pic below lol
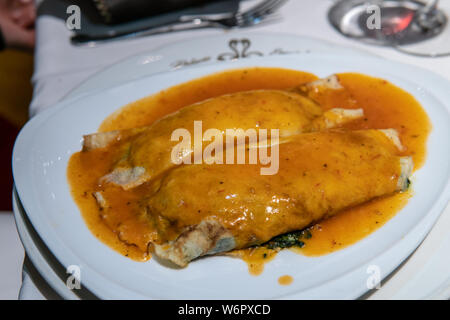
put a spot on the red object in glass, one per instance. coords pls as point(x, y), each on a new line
point(397, 24)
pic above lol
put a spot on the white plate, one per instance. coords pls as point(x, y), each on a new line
point(205, 51)
point(164, 59)
point(47, 141)
point(42, 259)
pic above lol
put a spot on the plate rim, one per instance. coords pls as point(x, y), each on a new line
point(345, 49)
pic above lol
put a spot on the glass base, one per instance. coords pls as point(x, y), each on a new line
point(391, 23)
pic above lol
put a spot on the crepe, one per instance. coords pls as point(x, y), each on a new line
point(198, 210)
point(146, 153)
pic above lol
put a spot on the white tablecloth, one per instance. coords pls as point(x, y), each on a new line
point(60, 67)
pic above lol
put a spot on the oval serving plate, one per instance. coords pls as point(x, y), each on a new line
point(46, 143)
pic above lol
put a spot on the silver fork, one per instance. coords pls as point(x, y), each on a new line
point(250, 17)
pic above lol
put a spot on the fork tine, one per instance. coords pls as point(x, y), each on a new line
point(269, 9)
point(263, 10)
point(258, 13)
point(265, 19)
point(277, 5)
point(257, 8)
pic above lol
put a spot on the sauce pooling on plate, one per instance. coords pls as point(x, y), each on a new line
point(285, 280)
point(385, 106)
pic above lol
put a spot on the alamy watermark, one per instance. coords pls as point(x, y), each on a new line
point(254, 143)
point(374, 279)
point(74, 279)
point(374, 20)
point(73, 21)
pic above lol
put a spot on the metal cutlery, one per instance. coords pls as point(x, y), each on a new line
point(250, 17)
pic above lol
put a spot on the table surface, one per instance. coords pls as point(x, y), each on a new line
point(60, 67)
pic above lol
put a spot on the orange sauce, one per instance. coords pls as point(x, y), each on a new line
point(83, 173)
point(147, 110)
point(255, 258)
point(385, 106)
point(352, 225)
point(285, 280)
